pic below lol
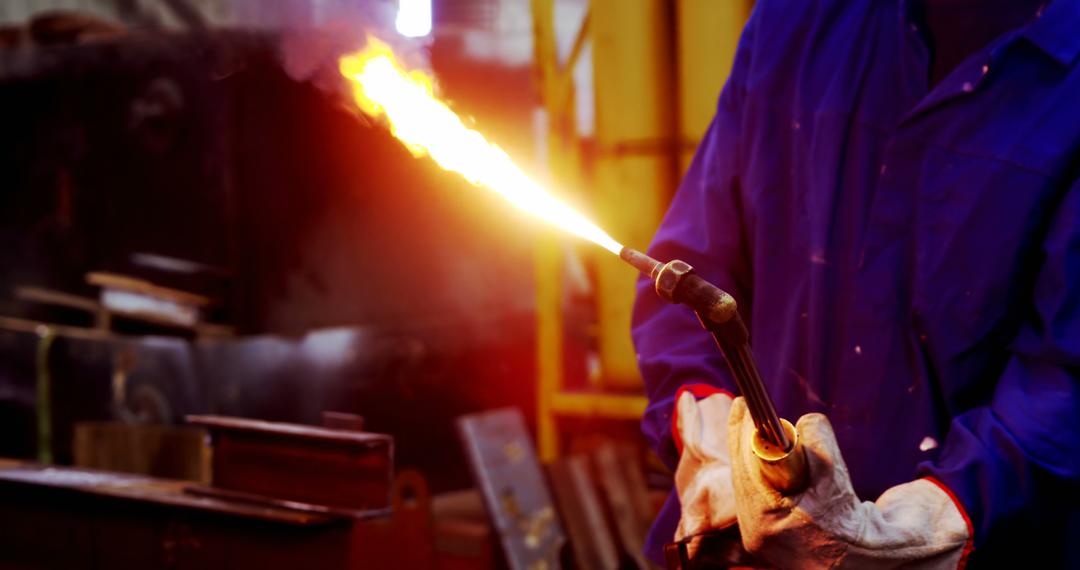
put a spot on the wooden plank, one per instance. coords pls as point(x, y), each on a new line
point(70, 518)
point(58, 298)
point(147, 449)
point(615, 466)
point(15, 324)
point(464, 539)
point(342, 420)
point(223, 424)
point(579, 502)
point(135, 285)
point(163, 492)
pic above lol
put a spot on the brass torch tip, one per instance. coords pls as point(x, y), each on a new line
point(640, 261)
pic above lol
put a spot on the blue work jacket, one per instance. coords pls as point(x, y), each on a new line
point(907, 259)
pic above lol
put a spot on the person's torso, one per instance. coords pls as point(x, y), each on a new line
point(894, 232)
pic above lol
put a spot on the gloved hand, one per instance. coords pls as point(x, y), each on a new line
point(914, 525)
point(703, 476)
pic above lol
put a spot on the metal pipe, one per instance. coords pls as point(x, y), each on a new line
point(676, 282)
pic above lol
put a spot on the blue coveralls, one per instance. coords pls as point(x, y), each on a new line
point(907, 259)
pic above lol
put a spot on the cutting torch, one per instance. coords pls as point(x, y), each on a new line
point(776, 441)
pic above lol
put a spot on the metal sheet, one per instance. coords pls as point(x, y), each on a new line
point(515, 493)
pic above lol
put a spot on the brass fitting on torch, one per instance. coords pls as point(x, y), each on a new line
point(676, 283)
point(787, 470)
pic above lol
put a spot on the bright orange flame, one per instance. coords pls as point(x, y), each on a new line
point(384, 89)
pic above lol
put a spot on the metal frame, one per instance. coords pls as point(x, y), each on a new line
point(646, 131)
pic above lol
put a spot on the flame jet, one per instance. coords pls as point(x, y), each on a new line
point(426, 126)
point(406, 100)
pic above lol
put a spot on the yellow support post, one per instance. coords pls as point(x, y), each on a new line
point(634, 70)
point(708, 33)
point(549, 338)
point(558, 100)
point(646, 132)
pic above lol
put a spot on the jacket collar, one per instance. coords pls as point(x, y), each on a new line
point(1056, 31)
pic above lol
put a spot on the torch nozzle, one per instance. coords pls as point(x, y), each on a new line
point(640, 261)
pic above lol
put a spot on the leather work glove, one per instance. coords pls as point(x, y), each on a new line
point(703, 475)
point(914, 525)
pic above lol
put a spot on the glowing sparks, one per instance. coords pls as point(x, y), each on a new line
point(426, 126)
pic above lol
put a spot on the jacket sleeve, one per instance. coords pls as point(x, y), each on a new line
point(703, 227)
point(1019, 456)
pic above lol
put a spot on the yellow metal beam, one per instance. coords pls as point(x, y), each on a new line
point(549, 339)
point(708, 32)
point(634, 70)
point(612, 406)
point(557, 96)
point(564, 91)
point(645, 132)
point(544, 49)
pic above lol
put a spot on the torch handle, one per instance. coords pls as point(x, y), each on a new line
point(733, 340)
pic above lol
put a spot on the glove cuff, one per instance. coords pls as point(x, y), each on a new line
point(969, 546)
point(700, 392)
point(920, 520)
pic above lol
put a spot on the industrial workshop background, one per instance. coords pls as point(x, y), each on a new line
point(198, 229)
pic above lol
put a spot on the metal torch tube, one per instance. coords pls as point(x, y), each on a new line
point(744, 369)
point(746, 388)
point(770, 424)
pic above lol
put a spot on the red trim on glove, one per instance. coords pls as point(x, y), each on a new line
point(700, 392)
point(970, 544)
